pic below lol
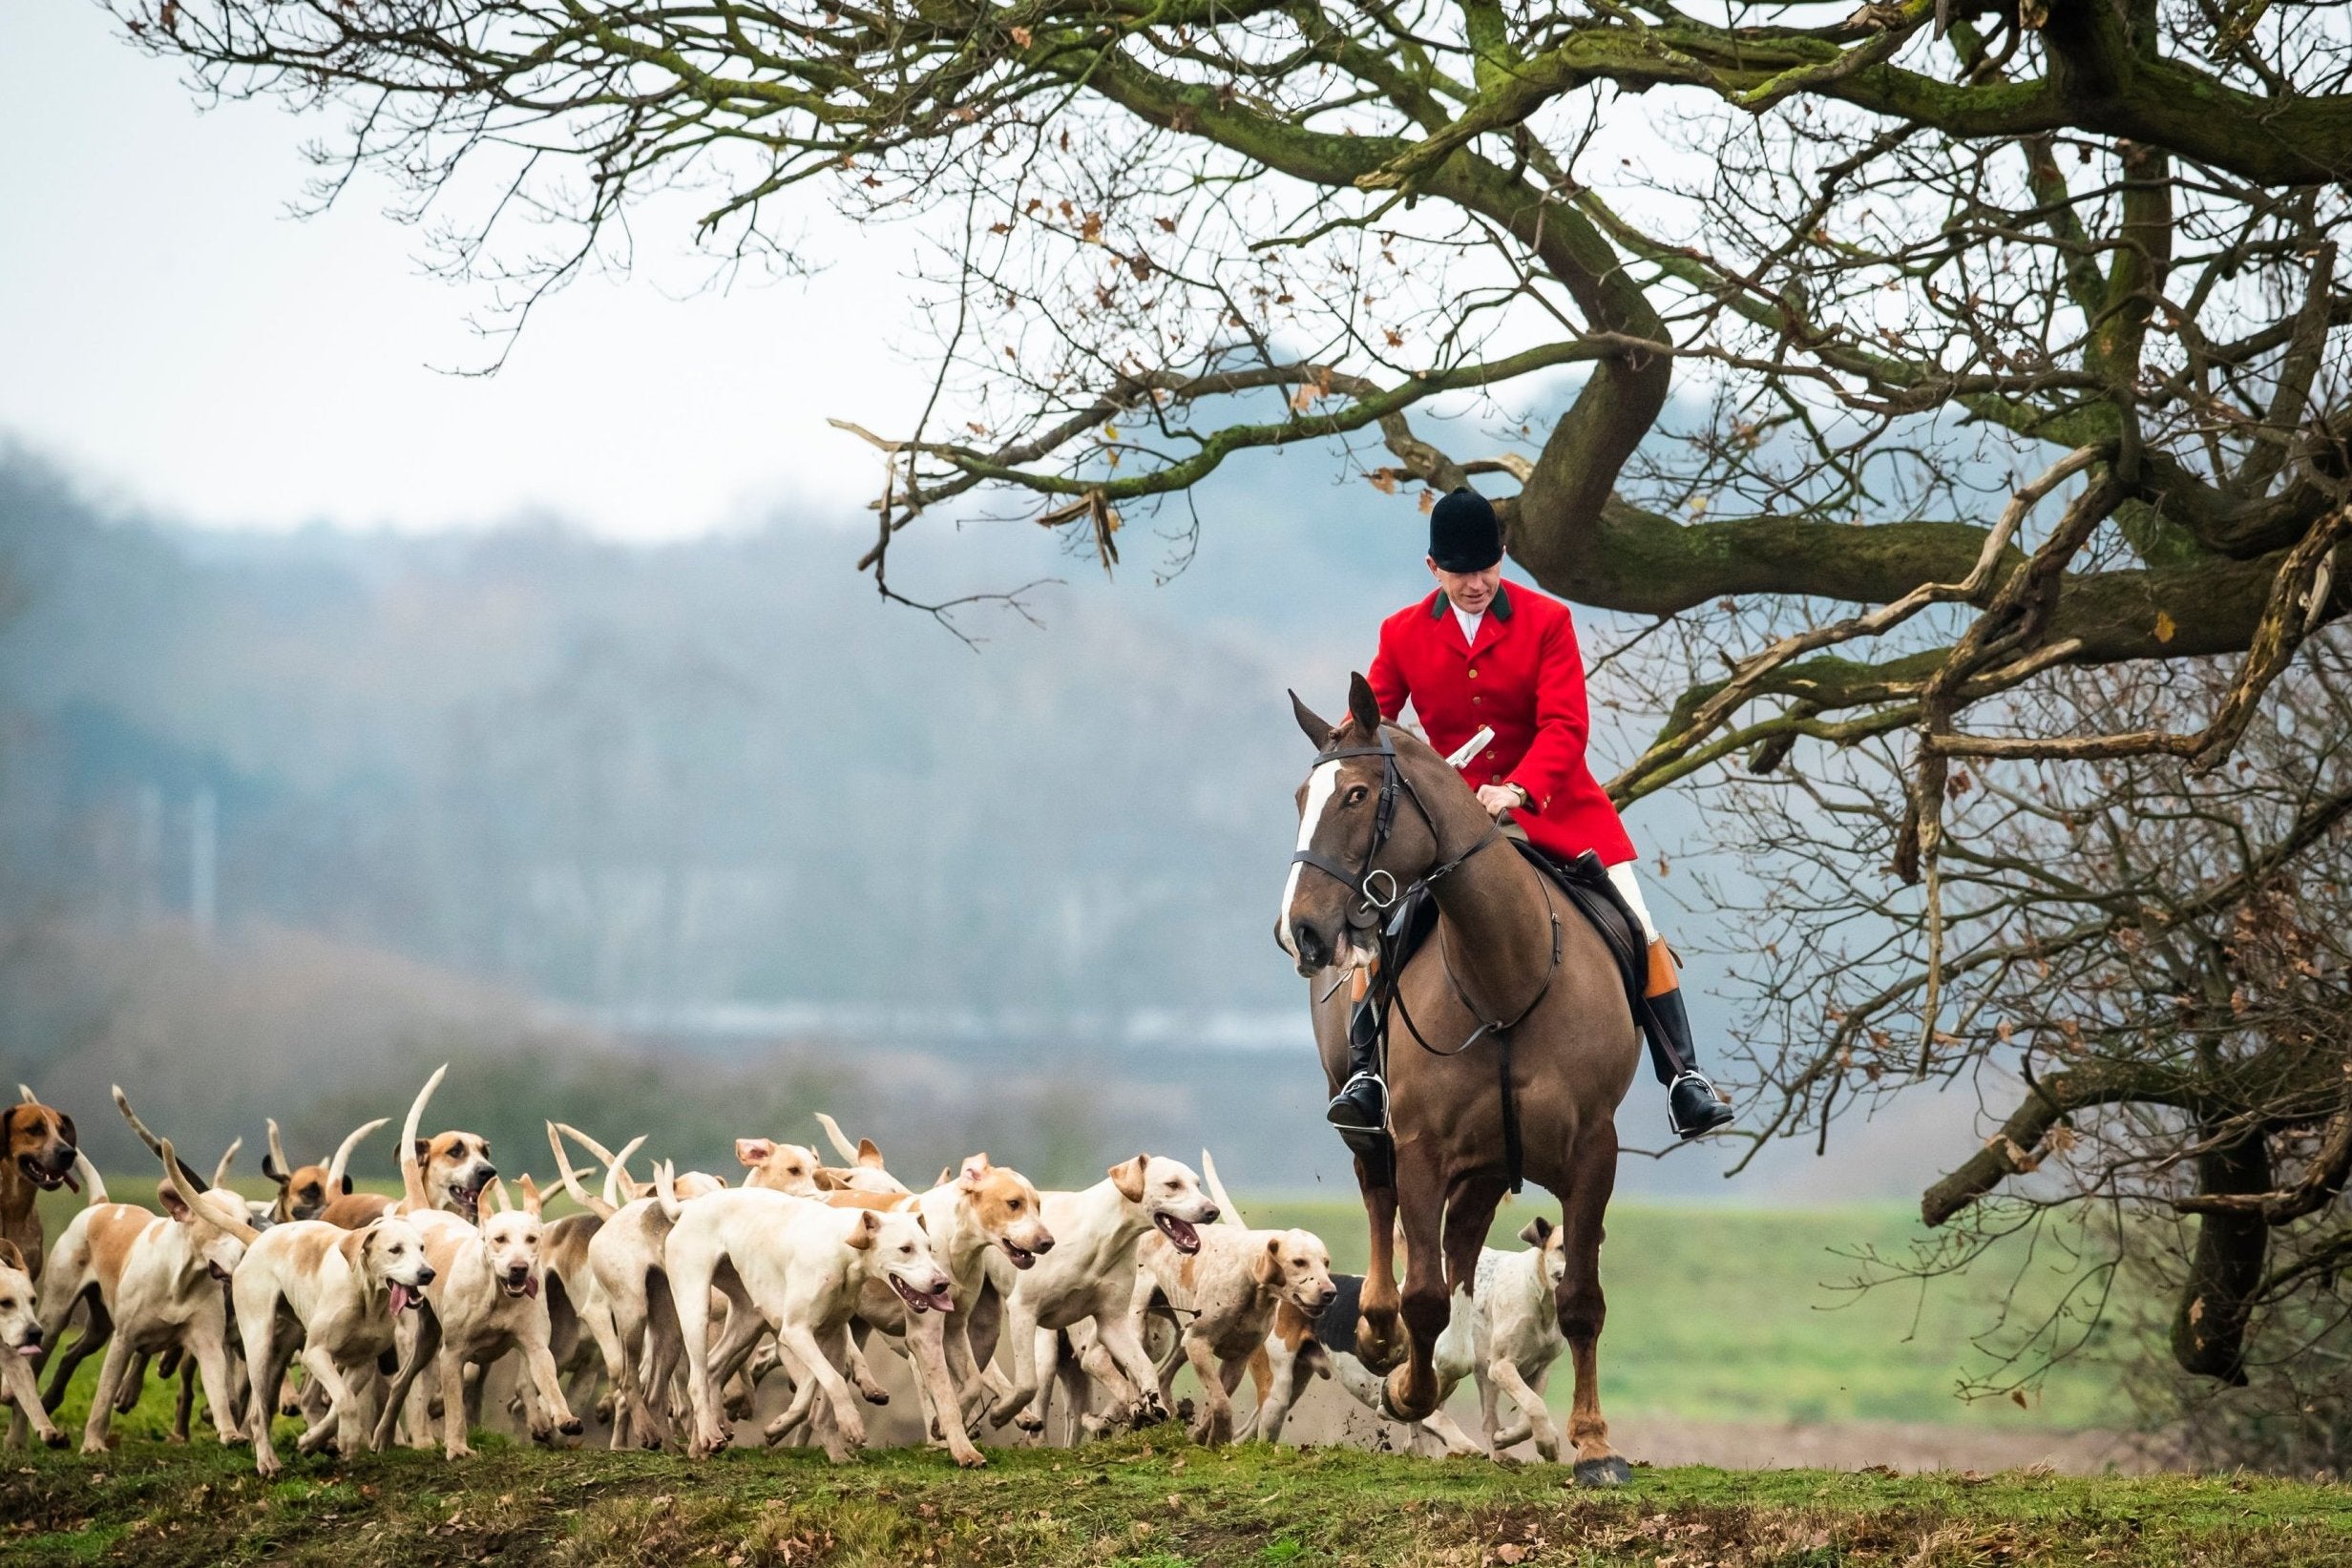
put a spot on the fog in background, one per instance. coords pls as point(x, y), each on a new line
point(641, 809)
point(702, 837)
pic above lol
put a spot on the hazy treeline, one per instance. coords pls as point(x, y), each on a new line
point(644, 776)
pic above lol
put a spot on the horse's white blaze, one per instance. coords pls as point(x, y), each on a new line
point(1321, 784)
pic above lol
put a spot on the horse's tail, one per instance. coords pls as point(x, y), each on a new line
point(1228, 1213)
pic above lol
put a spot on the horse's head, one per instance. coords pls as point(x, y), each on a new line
point(1362, 839)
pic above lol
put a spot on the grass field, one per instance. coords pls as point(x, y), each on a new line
point(1740, 1316)
point(1146, 1501)
point(1714, 1313)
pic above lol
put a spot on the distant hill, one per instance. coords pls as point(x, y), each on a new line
point(711, 798)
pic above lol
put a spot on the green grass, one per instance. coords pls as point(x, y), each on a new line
point(1740, 1316)
point(1150, 1499)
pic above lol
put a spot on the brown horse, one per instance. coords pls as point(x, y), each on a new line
point(1512, 944)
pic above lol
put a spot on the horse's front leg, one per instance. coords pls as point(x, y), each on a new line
point(1379, 1342)
point(1583, 1310)
point(1411, 1391)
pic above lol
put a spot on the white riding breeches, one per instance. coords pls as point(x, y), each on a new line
point(1629, 889)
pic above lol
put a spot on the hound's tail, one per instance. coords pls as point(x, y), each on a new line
point(337, 1167)
point(839, 1140)
point(569, 1179)
point(665, 1191)
point(1229, 1212)
point(413, 1198)
point(92, 1184)
point(189, 1175)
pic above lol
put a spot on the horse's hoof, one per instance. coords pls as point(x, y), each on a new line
point(1379, 1348)
point(1402, 1407)
point(1610, 1471)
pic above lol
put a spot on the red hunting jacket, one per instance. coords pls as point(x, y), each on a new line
point(1525, 680)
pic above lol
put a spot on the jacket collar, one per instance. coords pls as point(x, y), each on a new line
point(1501, 609)
point(1491, 626)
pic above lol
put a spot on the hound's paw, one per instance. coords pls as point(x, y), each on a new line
point(1030, 1422)
point(94, 1448)
point(53, 1438)
point(876, 1395)
point(458, 1451)
point(571, 1426)
point(971, 1458)
point(269, 1465)
point(604, 1409)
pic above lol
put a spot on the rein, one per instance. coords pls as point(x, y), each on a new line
point(1372, 900)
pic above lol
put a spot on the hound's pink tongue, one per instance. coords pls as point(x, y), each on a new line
point(27, 1352)
point(73, 1181)
point(1180, 1232)
point(400, 1299)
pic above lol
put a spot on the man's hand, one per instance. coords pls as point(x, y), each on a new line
point(1501, 798)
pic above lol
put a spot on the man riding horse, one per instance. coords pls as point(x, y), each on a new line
point(1480, 654)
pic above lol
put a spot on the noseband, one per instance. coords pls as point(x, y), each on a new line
point(1376, 887)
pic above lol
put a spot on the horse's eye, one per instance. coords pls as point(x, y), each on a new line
point(1356, 795)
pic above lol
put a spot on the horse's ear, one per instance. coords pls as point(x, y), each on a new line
point(1363, 708)
point(1317, 730)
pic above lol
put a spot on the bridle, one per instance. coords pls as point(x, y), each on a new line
point(1376, 887)
point(1377, 891)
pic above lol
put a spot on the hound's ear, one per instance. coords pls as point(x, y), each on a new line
point(868, 1154)
point(347, 1187)
point(1537, 1231)
point(10, 1257)
point(975, 1172)
point(1128, 1178)
point(754, 1152)
point(496, 1193)
point(1363, 708)
point(1319, 732)
point(65, 1127)
point(533, 1199)
point(424, 1150)
point(828, 1182)
point(8, 1121)
point(269, 1168)
point(868, 1226)
point(1267, 1266)
point(173, 1203)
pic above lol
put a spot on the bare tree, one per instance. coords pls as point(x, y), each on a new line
point(2150, 967)
point(2004, 473)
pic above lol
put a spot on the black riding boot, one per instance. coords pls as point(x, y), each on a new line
point(1360, 1108)
point(1693, 1106)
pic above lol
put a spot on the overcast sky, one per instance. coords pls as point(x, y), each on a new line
point(180, 342)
